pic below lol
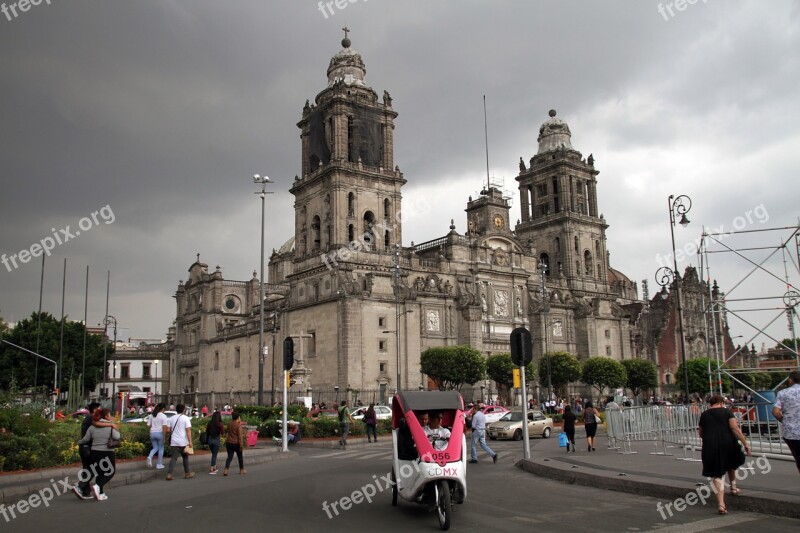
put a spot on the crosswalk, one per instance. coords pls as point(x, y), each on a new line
point(352, 453)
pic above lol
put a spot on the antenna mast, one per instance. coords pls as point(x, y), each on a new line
point(486, 139)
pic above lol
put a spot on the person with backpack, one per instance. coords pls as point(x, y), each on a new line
point(345, 419)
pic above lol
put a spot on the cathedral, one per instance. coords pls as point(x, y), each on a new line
point(361, 306)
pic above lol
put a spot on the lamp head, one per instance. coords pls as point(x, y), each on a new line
point(664, 294)
point(684, 221)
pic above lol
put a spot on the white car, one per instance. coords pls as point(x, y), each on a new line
point(145, 418)
point(494, 413)
point(382, 412)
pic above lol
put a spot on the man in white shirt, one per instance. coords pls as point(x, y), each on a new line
point(181, 438)
point(438, 435)
point(479, 435)
point(787, 411)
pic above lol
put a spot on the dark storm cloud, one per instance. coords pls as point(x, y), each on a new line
point(164, 110)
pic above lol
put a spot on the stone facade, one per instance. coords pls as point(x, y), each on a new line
point(345, 285)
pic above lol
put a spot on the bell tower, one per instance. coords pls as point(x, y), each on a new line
point(559, 217)
point(349, 190)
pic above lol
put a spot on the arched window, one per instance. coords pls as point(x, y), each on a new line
point(531, 198)
point(386, 239)
point(577, 245)
point(351, 205)
point(350, 233)
point(315, 233)
point(544, 258)
point(368, 237)
point(386, 209)
point(587, 263)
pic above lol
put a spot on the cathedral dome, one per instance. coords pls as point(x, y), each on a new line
point(554, 135)
point(347, 66)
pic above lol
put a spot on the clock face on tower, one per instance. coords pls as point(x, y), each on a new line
point(499, 222)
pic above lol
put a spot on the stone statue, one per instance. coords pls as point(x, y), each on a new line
point(448, 287)
point(387, 100)
point(522, 165)
point(484, 305)
point(519, 306)
point(590, 160)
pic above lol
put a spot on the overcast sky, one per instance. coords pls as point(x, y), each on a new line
point(163, 110)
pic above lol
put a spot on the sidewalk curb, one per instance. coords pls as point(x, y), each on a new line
point(17, 487)
point(665, 489)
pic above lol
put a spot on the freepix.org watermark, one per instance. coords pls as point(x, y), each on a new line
point(375, 233)
point(679, 5)
point(327, 6)
point(13, 9)
point(758, 215)
point(45, 495)
point(59, 237)
point(380, 484)
point(705, 492)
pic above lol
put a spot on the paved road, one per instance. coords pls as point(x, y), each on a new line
point(289, 495)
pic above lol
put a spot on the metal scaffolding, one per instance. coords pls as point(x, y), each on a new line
point(764, 290)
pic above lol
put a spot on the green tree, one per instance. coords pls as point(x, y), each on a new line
point(21, 365)
point(564, 369)
point(3, 326)
point(755, 380)
point(699, 378)
point(500, 369)
point(602, 372)
point(451, 366)
point(642, 375)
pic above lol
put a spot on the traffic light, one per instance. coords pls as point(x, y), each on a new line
point(288, 353)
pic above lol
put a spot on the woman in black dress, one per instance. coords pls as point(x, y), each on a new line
point(590, 424)
point(721, 453)
point(569, 426)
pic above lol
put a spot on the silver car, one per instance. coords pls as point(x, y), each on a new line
point(510, 426)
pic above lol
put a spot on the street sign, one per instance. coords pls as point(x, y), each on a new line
point(517, 379)
point(521, 347)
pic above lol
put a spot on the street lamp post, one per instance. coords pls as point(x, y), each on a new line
point(542, 273)
point(680, 206)
point(275, 317)
point(155, 384)
point(55, 373)
point(106, 321)
point(397, 308)
point(262, 349)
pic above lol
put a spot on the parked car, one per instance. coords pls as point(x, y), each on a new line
point(382, 412)
point(510, 426)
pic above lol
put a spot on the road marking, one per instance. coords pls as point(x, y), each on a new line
point(710, 523)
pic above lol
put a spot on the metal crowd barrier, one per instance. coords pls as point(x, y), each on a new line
point(671, 426)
